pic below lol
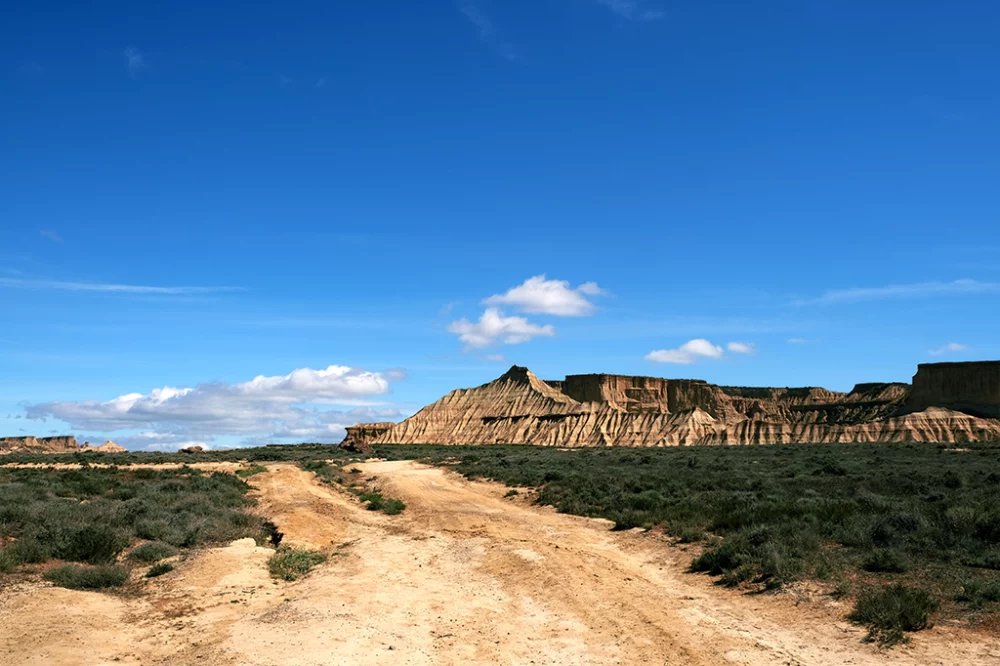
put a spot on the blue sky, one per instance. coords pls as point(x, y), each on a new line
point(398, 199)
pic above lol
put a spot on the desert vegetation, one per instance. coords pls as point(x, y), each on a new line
point(293, 563)
point(909, 531)
point(367, 492)
point(91, 516)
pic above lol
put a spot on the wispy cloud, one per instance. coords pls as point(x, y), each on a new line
point(633, 10)
point(914, 290)
point(51, 235)
point(15, 283)
point(477, 15)
point(950, 348)
point(135, 62)
point(741, 347)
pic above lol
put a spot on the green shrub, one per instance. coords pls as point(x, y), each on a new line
point(247, 472)
point(81, 577)
point(293, 563)
point(91, 515)
point(26, 551)
point(159, 569)
point(987, 560)
point(890, 611)
point(393, 507)
point(93, 544)
point(374, 500)
point(978, 593)
point(886, 560)
point(154, 551)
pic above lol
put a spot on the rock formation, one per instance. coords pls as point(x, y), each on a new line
point(106, 447)
point(30, 444)
point(949, 402)
point(973, 388)
point(65, 444)
point(359, 436)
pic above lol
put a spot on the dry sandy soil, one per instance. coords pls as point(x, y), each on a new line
point(463, 576)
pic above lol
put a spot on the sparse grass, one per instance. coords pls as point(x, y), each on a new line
point(293, 563)
point(154, 551)
point(374, 499)
point(159, 569)
point(253, 470)
point(889, 611)
point(82, 577)
point(91, 515)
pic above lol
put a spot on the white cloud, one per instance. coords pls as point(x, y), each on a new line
point(555, 297)
point(687, 353)
point(283, 406)
point(493, 326)
point(741, 347)
point(135, 62)
point(914, 290)
point(950, 348)
point(112, 288)
point(51, 235)
point(633, 10)
point(496, 358)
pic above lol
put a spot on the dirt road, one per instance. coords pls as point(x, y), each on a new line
point(463, 576)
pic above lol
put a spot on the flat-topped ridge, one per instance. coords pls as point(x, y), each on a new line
point(947, 402)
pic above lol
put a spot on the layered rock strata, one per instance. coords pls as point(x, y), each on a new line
point(957, 403)
point(63, 444)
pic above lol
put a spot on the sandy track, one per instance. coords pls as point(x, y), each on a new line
point(463, 576)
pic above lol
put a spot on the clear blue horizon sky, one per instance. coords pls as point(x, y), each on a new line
point(195, 195)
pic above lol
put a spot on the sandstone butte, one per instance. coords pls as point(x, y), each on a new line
point(947, 402)
point(31, 444)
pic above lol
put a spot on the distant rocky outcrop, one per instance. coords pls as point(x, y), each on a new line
point(62, 444)
point(359, 437)
point(31, 444)
point(948, 402)
point(106, 447)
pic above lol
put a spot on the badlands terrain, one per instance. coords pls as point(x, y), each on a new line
point(947, 402)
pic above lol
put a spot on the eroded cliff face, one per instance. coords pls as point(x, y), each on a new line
point(66, 444)
point(359, 436)
point(616, 410)
point(31, 444)
point(973, 388)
